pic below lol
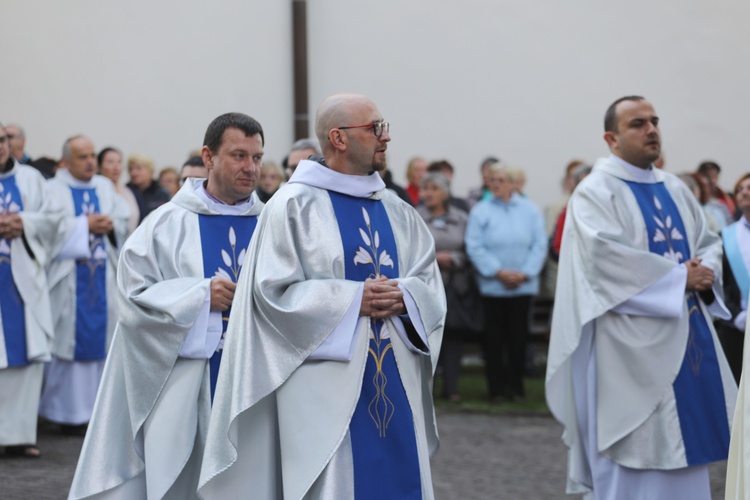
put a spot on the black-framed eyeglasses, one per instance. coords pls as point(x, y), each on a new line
point(377, 128)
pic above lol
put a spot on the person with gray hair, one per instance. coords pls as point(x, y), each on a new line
point(271, 178)
point(302, 149)
point(506, 242)
point(447, 224)
point(327, 372)
point(17, 137)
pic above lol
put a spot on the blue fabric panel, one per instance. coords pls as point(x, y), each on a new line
point(91, 286)
point(384, 446)
point(224, 242)
point(698, 388)
point(11, 304)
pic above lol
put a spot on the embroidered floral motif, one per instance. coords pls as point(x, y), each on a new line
point(7, 206)
point(369, 255)
point(97, 249)
point(667, 233)
point(381, 408)
point(233, 265)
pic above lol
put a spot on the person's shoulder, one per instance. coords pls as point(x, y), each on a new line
point(103, 184)
point(457, 214)
point(29, 174)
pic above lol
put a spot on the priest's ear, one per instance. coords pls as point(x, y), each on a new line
point(338, 139)
point(611, 139)
point(208, 158)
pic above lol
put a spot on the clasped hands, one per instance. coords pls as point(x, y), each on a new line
point(699, 278)
point(99, 224)
point(11, 226)
point(382, 298)
point(511, 279)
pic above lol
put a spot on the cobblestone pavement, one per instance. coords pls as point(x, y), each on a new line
point(482, 456)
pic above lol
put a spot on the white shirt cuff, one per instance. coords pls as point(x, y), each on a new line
point(77, 244)
point(740, 321)
point(663, 299)
point(205, 336)
point(339, 345)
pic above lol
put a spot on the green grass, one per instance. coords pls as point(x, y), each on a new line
point(472, 387)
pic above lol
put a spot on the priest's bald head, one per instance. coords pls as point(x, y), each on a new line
point(352, 134)
point(631, 130)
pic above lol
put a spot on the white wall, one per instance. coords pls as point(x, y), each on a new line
point(145, 76)
point(525, 81)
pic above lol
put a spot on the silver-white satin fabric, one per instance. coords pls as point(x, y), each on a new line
point(605, 260)
point(738, 465)
point(161, 290)
point(280, 424)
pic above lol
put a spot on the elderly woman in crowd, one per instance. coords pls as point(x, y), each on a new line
point(271, 178)
point(110, 166)
point(736, 277)
point(147, 191)
point(169, 180)
point(506, 241)
point(448, 226)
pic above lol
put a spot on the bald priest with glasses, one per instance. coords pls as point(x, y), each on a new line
point(326, 390)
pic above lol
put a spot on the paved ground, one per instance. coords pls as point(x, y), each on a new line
point(482, 456)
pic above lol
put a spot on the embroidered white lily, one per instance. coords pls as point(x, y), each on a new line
point(369, 254)
point(665, 232)
point(7, 205)
point(233, 262)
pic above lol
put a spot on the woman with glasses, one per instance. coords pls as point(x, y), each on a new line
point(507, 243)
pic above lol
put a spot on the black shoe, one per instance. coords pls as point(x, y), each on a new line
point(73, 430)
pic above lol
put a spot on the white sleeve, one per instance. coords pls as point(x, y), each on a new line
point(204, 336)
point(339, 345)
point(77, 244)
point(664, 299)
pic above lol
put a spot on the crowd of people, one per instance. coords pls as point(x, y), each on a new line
point(127, 290)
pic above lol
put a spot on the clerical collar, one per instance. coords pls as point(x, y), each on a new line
point(219, 206)
point(645, 176)
point(318, 175)
point(65, 175)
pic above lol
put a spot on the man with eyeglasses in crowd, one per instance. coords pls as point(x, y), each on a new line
point(326, 385)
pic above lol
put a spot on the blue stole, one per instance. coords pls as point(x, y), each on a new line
point(384, 446)
point(698, 389)
point(224, 242)
point(734, 257)
point(91, 286)
point(11, 304)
